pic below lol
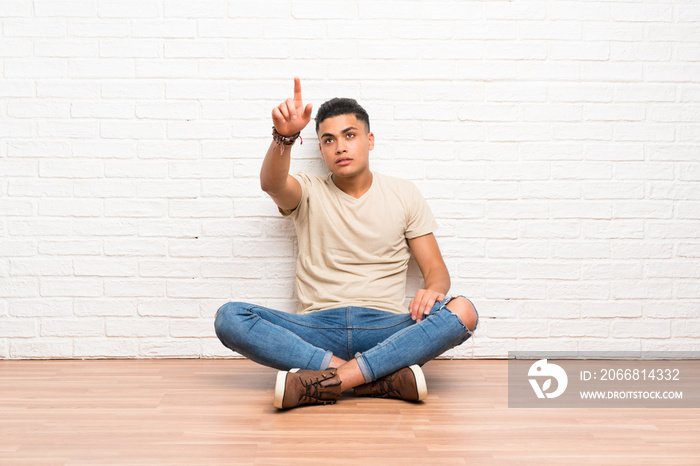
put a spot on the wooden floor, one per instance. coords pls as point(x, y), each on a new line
point(208, 412)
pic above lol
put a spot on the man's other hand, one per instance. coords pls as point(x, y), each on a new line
point(423, 302)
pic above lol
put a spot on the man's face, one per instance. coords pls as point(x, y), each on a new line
point(345, 145)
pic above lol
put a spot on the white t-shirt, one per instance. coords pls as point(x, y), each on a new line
point(353, 252)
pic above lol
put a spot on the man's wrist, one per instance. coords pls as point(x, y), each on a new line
point(282, 140)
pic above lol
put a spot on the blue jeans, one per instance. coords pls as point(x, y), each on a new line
point(382, 342)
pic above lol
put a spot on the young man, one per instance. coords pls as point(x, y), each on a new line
point(356, 231)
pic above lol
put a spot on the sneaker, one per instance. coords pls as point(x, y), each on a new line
point(306, 387)
point(405, 384)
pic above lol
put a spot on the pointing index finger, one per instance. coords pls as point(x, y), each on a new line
point(297, 90)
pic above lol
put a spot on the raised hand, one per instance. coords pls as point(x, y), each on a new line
point(291, 116)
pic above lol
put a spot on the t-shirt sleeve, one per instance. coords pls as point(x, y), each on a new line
point(420, 219)
point(304, 181)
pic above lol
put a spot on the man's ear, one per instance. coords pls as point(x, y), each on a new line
point(370, 137)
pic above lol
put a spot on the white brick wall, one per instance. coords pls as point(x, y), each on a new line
point(558, 143)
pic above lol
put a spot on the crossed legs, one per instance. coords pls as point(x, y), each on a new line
point(313, 341)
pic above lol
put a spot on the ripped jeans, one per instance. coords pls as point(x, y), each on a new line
point(382, 342)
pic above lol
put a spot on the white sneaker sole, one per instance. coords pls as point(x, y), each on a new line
point(280, 386)
point(421, 385)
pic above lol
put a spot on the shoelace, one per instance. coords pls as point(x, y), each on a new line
point(313, 391)
point(385, 387)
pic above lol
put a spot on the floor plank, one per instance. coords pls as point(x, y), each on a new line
point(185, 412)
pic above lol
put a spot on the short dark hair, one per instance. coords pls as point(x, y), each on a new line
point(341, 106)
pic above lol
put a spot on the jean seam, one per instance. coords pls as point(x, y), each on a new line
point(348, 309)
point(250, 309)
point(348, 330)
point(408, 317)
point(375, 327)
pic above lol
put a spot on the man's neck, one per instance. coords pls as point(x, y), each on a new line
point(355, 186)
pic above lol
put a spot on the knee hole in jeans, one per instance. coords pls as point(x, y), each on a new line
point(465, 310)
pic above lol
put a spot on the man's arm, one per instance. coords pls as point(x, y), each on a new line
point(275, 179)
point(289, 118)
point(435, 275)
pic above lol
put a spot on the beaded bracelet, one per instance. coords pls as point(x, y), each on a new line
point(285, 140)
